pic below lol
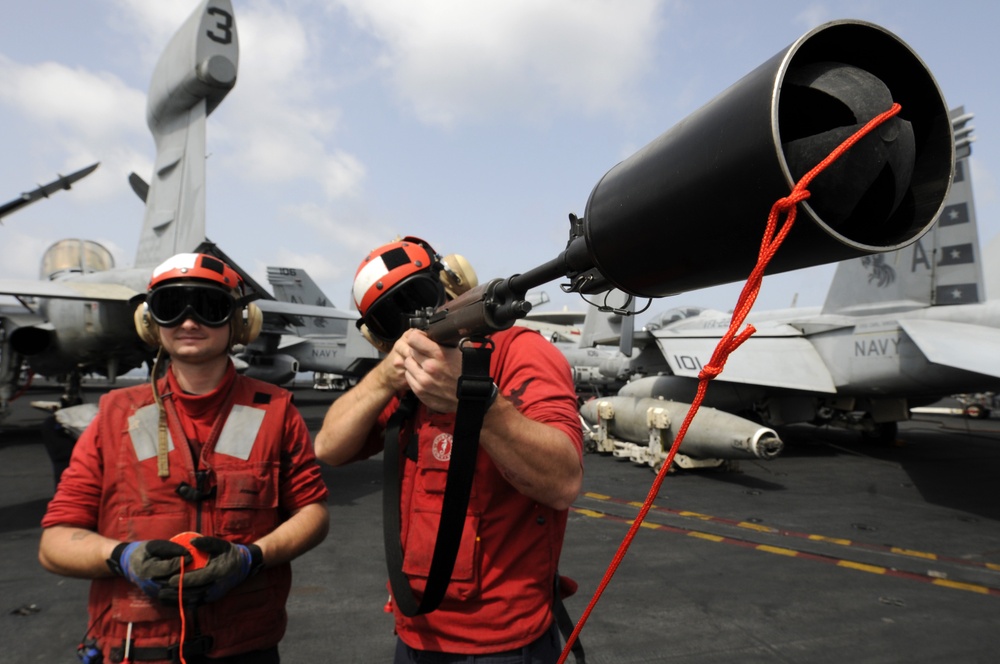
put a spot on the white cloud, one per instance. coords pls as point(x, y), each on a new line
point(813, 15)
point(348, 235)
point(274, 47)
point(95, 106)
point(21, 263)
point(280, 128)
point(457, 61)
point(342, 175)
point(154, 23)
point(90, 116)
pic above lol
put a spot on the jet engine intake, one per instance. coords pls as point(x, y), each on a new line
point(29, 340)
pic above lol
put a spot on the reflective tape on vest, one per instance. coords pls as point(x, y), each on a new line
point(236, 440)
point(143, 429)
point(240, 432)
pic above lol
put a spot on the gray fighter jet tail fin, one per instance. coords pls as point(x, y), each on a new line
point(292, 284)
point(194, 73)
point(944, 267)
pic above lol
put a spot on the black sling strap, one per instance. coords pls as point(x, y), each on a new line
point(565, 623)
point(475, 392)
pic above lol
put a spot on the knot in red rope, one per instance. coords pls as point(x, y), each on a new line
point(799, 194)
point(709, 371)
point(724, 349)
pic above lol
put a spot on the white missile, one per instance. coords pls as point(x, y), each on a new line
point(643, 430)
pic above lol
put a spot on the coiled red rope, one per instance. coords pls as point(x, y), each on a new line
point(731, 340)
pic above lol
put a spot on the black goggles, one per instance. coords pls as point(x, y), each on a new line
point(172, 304)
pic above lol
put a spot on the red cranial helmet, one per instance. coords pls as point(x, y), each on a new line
point(394, 281)
point(200, 287)
point(201, 267)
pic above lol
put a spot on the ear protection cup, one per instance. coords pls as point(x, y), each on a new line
point(457, 275)
point(145, 326)
point(246, 325)
point(381, 345)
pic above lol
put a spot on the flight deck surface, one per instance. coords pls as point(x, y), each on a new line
point(836, 551)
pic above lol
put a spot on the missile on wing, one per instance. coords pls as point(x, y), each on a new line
point(643, 430)
point(43, 191)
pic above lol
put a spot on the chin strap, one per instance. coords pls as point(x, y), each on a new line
point(476, 393)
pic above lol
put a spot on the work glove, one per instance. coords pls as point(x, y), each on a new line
point(149, 564)
point(228, 566)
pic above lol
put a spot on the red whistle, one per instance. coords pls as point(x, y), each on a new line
point(200, 558)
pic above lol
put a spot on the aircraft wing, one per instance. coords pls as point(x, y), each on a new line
point(67, 290)
point(784, 360)
point(973, 348)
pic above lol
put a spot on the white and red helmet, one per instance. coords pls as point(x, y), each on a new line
point(393, 282)
point(201, 287)
point(200, 267)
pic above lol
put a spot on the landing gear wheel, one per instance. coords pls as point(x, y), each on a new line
point(976, 411)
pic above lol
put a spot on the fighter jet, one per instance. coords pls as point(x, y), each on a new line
point(897, 330)
point(79, 319)
point(321, 339)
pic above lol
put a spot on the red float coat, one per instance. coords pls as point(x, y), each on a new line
point(261, 467)
point(501, 593)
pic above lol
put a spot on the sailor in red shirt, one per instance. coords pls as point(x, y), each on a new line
point(234, 463)
point(499, 602)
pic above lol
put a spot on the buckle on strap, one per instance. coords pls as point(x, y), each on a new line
point(199, 645)
point(475, 383)
point(475, 388)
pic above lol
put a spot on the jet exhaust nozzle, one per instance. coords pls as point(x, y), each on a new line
point(717, 173)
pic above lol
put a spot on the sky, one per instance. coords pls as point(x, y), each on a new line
point(478, 126)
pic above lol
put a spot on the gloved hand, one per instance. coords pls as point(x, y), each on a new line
point(148, 564)
point(228, 566)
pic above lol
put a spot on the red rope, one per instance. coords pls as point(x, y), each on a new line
point(773, 237)
point(180, 607)
point(24, 388)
